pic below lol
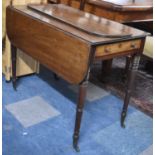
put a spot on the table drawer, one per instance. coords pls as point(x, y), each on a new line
point(117, 47)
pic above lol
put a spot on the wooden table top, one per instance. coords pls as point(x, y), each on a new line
point(124, 5)
point(81, 19)
point(77, 19)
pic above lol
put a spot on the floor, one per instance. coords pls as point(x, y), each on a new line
point(38, 119)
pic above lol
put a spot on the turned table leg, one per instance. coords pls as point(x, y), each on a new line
point(79, 111)
point(106, 67)
point(13, 57)
point(127, 64)
point(133, 67)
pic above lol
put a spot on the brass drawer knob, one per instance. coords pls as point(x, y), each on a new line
point(107, 50)
point(120, 45)
point(133, 45)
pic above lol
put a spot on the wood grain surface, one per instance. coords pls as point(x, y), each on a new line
point(126, 11)
point(117, 48)
point(125, 5)
point(64, 54)
point(74, 17)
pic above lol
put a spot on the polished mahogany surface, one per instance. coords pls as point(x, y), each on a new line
point(82, 18)
point(123, 11)
point(125, 5)
point(48, 42)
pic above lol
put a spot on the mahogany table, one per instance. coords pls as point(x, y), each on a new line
point(68, 41)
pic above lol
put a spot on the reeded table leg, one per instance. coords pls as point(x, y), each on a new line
point(106, 67)
point(128, 60)
point(133, 67)
point(13, 57)
point(79, 110)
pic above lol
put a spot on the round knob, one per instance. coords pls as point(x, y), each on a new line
point(120, 45)
point(107, 50)
point(133, 45)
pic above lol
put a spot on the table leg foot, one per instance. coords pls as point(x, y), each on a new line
point(123, 116)
point(75, 143)
point(14, 84)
